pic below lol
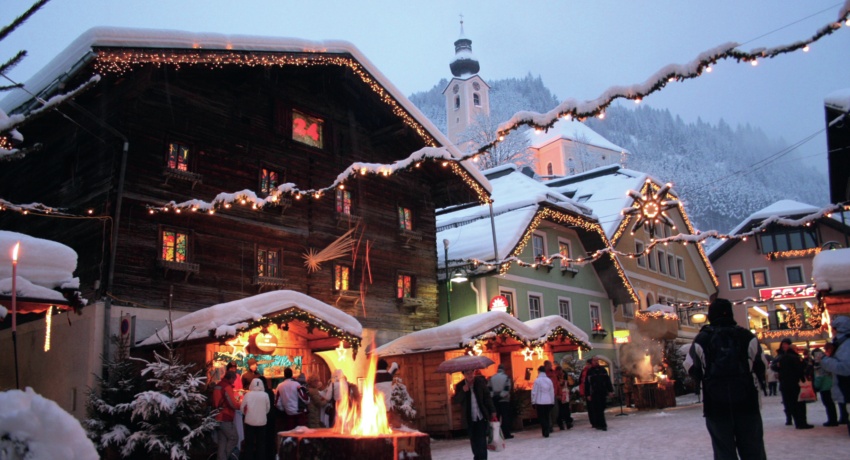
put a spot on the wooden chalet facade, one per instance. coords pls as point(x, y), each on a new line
point(178, 117)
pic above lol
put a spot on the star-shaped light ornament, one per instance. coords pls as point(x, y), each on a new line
point(528, 354)
point(539, 351)
point(651, 209)
point(341, 351)
point(238, 345)
point(476, 350)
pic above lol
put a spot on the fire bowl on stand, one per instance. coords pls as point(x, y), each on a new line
point(324, 443)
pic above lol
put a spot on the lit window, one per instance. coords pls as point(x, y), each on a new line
point(343, 202)
point(268, 262)
point(564, 308)
point(795, 275)
point(534, 310)
point(639, 249)
point(175, 246)
point(178, 156)
point(759, 278)
point(736, 280)
point(342, 277)
point(307, 129)
point(405, 218)
point(269, 180)
point(564, 251)
point(595, 318)
point(405, 287)
point(538, 246)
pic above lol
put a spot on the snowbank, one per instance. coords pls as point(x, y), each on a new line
point(42, 262)
point(47, 431)
point(226, 318)
point(831, 270)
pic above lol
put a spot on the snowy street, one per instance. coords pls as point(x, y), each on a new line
point(662, 434)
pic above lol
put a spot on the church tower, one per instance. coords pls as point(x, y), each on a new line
point(467, 95)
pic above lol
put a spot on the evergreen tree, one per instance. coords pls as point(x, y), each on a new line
point(401, 404)
point(110, 421)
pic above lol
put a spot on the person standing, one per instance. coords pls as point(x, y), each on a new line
point(543, 398)
point(477, 410)
point(500, 390)
point(556, 375)
point(598, 388)
point(837, 361)
point(255, 406)
point(286, 400)
point(224, 400)
point(562, 402)
point(249, 375)
point(723, 358)
point(791, 372)
point(772, 381)
point(823, 384)
point(317, 402)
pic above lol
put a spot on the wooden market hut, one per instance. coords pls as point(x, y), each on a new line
point(831, 275)
point(499, 336)
point(279, 329)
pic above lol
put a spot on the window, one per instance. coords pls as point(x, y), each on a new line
point(405, 286)
point(758, 317)
point(782, 316)
point(538, 245)
point(457, 102)
point(564, 251)
point(510, 295)
point(343, 202)
point(549, 169)
point(307, 130)
point(178, 156)
point(476, 99)
point(650, 301)
point(639, 249)
point(671, 264)
point(564, 308)
point(535, 309)
point(175, 246)
point(595, 318)
point(662, 262)
point(269, 180)
point(736, 280)
point(680, 265)
point(795, 275)
point(759, 278)
point(629, 310)
point(268, 262)
point(405, 218)
point(785, 239)
point(651, 259)
point(342, 277)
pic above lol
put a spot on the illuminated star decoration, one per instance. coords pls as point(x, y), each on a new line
point(340, 352)
point(476, 350)
point(239, 346)
point(527, 353)
point(539, 351)
point(651, 209)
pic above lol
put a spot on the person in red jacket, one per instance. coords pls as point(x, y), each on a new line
point(224, 400)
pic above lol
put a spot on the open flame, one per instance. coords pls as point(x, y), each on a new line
point(366, 416)
point(827, 321)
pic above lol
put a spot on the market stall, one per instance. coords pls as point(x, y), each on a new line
point(279, 329)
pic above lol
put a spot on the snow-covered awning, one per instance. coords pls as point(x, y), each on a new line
point(301, 314)
point(45, 274)
point(559, 333)
point(460, 333)
point(831, 271)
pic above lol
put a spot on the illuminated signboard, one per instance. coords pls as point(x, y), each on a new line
point(307, 129)
point(788, 292)
point(622, 336)
point(499, 303)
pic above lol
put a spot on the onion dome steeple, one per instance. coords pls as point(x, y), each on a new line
point(464, 63)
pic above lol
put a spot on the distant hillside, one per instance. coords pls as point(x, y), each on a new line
point(718, 171)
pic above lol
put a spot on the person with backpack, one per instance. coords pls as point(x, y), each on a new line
point(837, 361)
point(224, 400)
point(500, 391)
point(723, 358)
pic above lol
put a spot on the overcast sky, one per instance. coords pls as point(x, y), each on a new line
point(579, 48)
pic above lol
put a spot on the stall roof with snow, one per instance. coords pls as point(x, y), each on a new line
point(321, 324)
point(831, 271)
point(518, 202)
point(559, 333)
point(98, 40)
point(45, 274)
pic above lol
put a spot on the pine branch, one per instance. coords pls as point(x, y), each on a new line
point(11, 63)
point(4, 32)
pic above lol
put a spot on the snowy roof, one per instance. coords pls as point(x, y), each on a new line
point(542, 327)
point(605, 191)
point(831, 270)
point(839, 100)
point(516, 199)
point(454, 335)
point(571, 130)
point(661, 308)
point(81, 50)
point(44, 266)
point(227, 318)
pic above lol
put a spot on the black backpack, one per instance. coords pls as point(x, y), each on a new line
point(728, 379)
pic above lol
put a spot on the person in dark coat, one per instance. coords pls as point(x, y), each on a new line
point(477, 410)
point(597, 388)
point(251, 374)
point(791, 372)
point(723, 358)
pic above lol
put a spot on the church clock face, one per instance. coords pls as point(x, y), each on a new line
point(456, 89)
point(476, 86)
